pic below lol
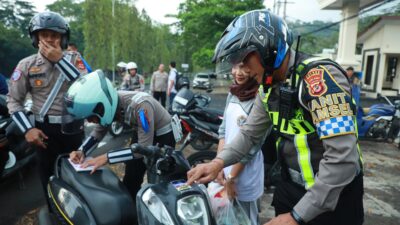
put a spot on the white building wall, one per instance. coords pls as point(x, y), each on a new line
point(391, 39)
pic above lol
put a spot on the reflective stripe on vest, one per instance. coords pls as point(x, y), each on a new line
point(300, 128)
point(304, 159)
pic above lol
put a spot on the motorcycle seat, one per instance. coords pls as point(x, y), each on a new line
point(206, 125)
point(106, 196)
point(213, 112)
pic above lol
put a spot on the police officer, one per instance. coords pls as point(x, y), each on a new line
point(46, 76)
point(140, 110)
point(308, 104)
point(132, 81)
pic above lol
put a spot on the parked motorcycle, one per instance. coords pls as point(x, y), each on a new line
point(200, 122)
point(101, 198)
point(15, 152)
point(379, 122)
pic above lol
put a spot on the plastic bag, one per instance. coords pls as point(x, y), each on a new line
point(227, 212)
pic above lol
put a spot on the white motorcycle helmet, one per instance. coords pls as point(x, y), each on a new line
point(131, 65)
point(92, 95)
point(121, 65)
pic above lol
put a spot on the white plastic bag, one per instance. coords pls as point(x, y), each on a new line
point(227, 212)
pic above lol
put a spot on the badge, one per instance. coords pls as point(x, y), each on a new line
point(241, 120)
point(34, 69)
point(315, 82)
point(38, 83)
point(80, 65)
point(16, 75)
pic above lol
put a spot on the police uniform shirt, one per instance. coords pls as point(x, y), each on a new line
point(133, 83)
point(155, 116)
point(159, 81)
point(325, 94)
point(37, 76)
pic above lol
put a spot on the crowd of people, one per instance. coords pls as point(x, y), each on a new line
point(321, 162)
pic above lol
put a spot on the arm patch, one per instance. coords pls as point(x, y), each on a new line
point(329, 105)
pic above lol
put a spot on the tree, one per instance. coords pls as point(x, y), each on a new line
point(203, 21)
point(16, 14)
point(13, 47)
point(72, 11)
point(14, 40)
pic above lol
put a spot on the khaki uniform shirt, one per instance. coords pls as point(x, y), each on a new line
point(135, 83)
point(156, 116)
point(159, 81)
point(37, 76)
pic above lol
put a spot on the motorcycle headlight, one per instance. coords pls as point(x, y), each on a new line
point(156, 207)
point(192, 210)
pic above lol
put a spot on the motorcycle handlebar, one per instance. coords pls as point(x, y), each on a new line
point(146, 151)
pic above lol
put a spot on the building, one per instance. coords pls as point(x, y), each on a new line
point(380, 56)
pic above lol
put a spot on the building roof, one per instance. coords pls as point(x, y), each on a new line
point(375, 26)
point(338, 4)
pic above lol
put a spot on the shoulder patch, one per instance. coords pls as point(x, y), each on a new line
point(144, 120)
point(16, 75)
point(315, 82)
point(335, 127)
point(79, 64)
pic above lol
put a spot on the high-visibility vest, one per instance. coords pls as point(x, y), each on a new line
point(298, 128)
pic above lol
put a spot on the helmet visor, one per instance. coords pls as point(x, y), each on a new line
point(225, 64)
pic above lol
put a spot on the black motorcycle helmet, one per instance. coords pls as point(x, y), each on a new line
point(49, 21)
point(257, 31)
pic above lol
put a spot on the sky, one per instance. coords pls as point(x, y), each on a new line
point(304, 10)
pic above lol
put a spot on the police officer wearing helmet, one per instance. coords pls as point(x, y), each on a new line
point(46, 76)
point(132, 81)
point(307, 101)
point(138, 109)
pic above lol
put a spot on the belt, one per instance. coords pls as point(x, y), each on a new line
point(164, 130)
point(49, 119)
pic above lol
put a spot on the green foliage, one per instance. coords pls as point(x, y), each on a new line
point(16, 14)
point(13, 47)
point(14, 41)
point(72, 11)
point(130, 34)
point(203, 21)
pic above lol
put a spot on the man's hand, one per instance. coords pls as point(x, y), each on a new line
point(283, 219)
point(53, 54)
point(221, 178)
point(36, 137)
point(205, 172)
point(77, 157)
point(230, 188)
point(97, 162)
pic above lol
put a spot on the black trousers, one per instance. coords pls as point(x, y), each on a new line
point(160, 95)
point(349, 209)
point(57, 143)
point(135, 169)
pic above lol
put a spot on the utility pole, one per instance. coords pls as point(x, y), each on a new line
point(112, 44)
point(278, 9)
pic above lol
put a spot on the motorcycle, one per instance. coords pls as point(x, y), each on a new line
point(15, 152)
point(198, 121)
point(379, 122)
point(101, 198)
